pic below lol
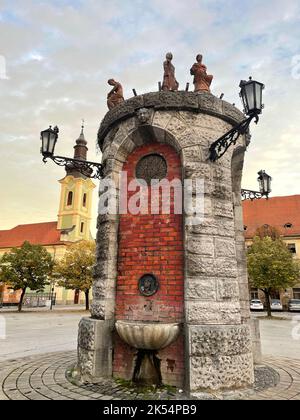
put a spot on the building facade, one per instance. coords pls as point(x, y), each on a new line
point(73, 225)
point(283, 213)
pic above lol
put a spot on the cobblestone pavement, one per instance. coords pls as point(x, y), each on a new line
point(44, 378)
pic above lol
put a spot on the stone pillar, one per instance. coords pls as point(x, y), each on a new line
point(216, 332)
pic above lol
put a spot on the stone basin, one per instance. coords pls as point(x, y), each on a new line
point(147, 335)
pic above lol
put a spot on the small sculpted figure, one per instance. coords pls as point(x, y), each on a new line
point(115, 96)
point(202, 80)
point(169, 82)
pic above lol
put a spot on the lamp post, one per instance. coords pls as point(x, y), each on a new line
point(264, 181)
point(49, 139)
point(52, 295)
point(251, 95)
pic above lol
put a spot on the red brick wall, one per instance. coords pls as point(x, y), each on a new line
point(151, 244)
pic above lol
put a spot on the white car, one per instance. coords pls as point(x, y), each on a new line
point(256, 305)
point(276, 305)
point(294, 305)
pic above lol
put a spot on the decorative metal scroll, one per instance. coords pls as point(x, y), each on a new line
point(252, 195)
point(220, 146)
point(86, 168)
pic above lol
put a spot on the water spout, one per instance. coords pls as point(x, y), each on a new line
point(147, 368)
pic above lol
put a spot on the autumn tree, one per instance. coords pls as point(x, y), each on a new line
point(27, 267)
point(267, 230)
point(75, 270)
point(271, 266)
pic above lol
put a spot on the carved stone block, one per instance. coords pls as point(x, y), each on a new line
point(220, 340)
point(219, 313)
point(225, 248)
point(200, 289)
point(227, 289)
point(223, 372)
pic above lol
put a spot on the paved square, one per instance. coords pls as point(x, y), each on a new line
point(40, 347)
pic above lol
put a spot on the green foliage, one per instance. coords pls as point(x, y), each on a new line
point(271, 265)
point(75, 270)
point(26, 267)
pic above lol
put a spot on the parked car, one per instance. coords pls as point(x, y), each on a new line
point(256, 305)
point(294, 305)
point(276, 305)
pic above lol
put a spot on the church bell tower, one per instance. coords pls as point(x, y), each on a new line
point(74, 216)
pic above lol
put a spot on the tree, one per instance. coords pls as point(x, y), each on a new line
point(76, 268)
point(26, 267)
point(271, 266)
point(267, 230)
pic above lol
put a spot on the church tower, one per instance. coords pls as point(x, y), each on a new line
point(74, 216)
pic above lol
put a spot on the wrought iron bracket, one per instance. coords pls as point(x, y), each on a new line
point(252, 195)
point(220, 146)
point(85, 167)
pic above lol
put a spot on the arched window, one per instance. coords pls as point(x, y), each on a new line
point(70, 198)
point(84, 200)
point(81, 227)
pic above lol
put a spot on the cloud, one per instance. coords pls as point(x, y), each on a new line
point(59, 55)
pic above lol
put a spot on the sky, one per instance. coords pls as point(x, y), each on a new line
point(56, 57)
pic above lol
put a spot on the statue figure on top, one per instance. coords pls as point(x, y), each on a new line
point(115, 96)
point(202, 80)
point(169, 82)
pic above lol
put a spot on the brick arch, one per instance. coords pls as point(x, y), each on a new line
point(151, 244)
point(136, 138)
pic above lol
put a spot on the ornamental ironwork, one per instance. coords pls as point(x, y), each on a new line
point(252, 195)
point(85, 167)
point(220, 146)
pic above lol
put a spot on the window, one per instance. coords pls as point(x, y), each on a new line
point(253, 293)
point(292, 248)
point(296, 293)
point(288, 225)
point(81, 227)
point(70, 199)
point(84, 200)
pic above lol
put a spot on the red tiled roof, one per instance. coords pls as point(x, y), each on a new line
point(275, 212)
point(36, 234)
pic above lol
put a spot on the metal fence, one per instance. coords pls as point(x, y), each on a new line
point(39, 300)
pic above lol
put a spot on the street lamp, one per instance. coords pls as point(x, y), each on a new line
point(49, 139)
point(251, 95)
point(264, 182)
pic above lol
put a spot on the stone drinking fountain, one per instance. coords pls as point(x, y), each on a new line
point(148, 338)
point(170, 296)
